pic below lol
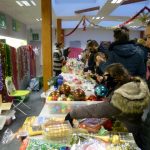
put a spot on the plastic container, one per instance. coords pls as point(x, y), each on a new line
point(2, 122)
point(10, 115)
point(63, 107)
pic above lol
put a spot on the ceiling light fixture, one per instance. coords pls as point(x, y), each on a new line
point(97, 18)
point(26, 3)
point(116, 1)
point(102, 18)
point(93, 17)
point(37, 20)
point(33, 2)
point(19, 3)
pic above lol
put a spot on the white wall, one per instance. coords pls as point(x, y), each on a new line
point(39, 61)
point(21, 34)
point(94, 34)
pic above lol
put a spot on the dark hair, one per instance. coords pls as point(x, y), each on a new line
point(125, 28)
point(121, 35)
point(93, 43)
point(58, 45)
point(118, 72)
point(88, 40)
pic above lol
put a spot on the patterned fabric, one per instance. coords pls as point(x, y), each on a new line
point(74, 52)
point(5, 69)
point(57, 60)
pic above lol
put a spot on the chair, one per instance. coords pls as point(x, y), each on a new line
point(17, 95)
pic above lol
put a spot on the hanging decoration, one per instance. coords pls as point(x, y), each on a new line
point(135, 16)
point(144, 17)
point(75, 28)
point(84, 23)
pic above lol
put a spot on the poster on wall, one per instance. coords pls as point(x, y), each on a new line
point(15, 25)
point(2, 21)
point(35, 37)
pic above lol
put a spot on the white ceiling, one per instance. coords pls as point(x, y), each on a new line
point(64, 9)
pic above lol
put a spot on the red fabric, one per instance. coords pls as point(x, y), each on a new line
point(32, 62)
point(14, 66)
point(74, 52)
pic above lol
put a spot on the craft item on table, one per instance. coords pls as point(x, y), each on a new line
point(32, 126)
point(92, 125)
point(90, 144)
point(60, 108)
point(102, 131)
point(119, 127)
point(64, 89)
point(101, 90)
point(57, 130)
point(54, 95)
point(56, 81)
point(91, 98)
point(37, 144)
point(79, 95)
point(77, 81)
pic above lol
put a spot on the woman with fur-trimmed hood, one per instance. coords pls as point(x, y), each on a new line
point(128, 99)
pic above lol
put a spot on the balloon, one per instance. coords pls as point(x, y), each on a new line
point(101, 90)
point(59, 81)
point(60, 77)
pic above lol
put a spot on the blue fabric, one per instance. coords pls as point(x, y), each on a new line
point(128, 54)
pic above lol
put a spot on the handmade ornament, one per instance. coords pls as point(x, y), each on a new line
point(92, 98)
point(64, 89)
point(79, 95)
point(101, 90)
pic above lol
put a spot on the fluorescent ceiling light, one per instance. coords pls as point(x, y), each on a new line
point(33, 2)
point(93, 17)
point(116, 1)
point(26, 3)
point(97, 18)
point(102, 18)
point(37, 20)
point(119, 1)
point(19, 3)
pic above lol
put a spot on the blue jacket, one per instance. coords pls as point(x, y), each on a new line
point(128, 54)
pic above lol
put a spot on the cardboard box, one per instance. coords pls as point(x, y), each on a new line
point(4, 106)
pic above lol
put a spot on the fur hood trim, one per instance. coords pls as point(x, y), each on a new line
point(132, 97)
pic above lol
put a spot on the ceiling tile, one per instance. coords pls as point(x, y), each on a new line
point(109, 23)
point(128, 10)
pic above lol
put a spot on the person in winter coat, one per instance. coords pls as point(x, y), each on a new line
point(58, 59)
point(93, 48)
point(127, 53)
point(128, 99)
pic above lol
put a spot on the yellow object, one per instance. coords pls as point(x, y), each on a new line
point(32, 133)
point(115, 139)
point(104, 138)
point(49, 98)
point(27, 126)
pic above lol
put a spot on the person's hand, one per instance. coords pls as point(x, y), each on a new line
point(69, 118)
point(99, 78)
point(100, 59)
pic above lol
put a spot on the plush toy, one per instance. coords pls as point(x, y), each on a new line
point(56, 81)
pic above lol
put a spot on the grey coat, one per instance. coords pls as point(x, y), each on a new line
point(127, 104)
